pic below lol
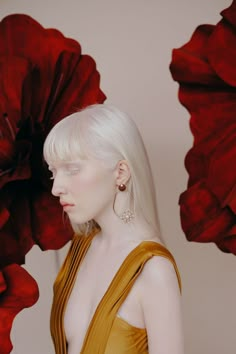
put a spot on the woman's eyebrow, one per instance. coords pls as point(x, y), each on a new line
point(71, 163)
point(65, 164)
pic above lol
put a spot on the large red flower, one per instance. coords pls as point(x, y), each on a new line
point(43, 78)
point(205, 69)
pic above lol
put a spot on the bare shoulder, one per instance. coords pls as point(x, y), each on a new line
point(159, 273)
point(161, 304)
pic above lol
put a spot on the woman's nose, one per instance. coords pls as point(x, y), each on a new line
point(58, 188)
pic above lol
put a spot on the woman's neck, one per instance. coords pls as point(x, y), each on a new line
point(115, 231)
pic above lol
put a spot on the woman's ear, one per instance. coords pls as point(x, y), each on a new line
point(122, 172)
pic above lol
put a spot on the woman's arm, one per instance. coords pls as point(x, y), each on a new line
point(161, 304)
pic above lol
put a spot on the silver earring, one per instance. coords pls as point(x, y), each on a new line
point(127, 216)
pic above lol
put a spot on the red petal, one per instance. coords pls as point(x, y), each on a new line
point(221, 49)
point(3, 285)
point(76, 82)
point(205, 68)
point(50, 231)
point(187, 67)
point(197, 203)
point(21, 292)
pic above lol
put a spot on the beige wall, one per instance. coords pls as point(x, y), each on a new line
point(131, 41)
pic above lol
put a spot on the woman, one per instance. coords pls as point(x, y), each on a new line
point(119, 288)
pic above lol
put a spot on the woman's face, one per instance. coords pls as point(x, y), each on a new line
point(85, 188)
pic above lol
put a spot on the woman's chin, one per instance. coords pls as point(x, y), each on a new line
point(78, 220)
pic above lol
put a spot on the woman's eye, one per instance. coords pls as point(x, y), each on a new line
point(72, 171)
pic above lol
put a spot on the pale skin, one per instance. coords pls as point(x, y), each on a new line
point(154, 301)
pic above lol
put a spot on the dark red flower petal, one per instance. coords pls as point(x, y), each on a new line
point(3, 285)
point(221, 47)
point(55, 231)
point(18, 290)
point(197, 203)
point(75, 86)
point(16, 237)
point(197, 70)
point(205, 70)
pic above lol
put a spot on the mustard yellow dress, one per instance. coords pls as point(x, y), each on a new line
point(107, 333)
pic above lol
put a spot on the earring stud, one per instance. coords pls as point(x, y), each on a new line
point(122, 187)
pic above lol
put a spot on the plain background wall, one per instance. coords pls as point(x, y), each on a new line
point(131, 41)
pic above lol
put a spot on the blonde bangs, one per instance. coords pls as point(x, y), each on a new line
point(64, 142)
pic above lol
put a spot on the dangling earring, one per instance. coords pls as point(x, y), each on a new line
point(127, 216)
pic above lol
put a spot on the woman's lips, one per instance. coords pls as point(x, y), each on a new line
point(66, 206)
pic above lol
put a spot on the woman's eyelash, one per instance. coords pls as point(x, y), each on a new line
point(68, 171)
point(52, 174)
point(72, 170)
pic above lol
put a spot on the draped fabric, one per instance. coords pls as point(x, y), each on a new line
point(106, 333)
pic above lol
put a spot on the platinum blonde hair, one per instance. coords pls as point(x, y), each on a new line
point(107, 134)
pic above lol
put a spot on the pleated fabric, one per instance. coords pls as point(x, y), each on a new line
point(107, 333)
